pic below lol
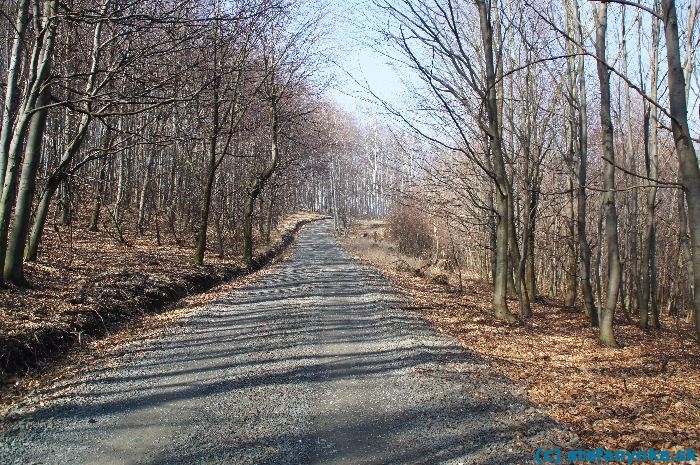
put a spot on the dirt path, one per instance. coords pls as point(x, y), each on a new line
point(315, 363)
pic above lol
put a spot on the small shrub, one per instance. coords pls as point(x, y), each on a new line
point(411, 230)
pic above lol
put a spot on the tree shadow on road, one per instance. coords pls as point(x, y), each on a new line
point(319, 321)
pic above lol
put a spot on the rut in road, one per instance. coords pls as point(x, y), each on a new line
point(315, 363)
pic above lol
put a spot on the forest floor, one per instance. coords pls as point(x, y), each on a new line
point(644, 394)
point(86, 285)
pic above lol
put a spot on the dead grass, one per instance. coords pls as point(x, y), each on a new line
point(646, 394)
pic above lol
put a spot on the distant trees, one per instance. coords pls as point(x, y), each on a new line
point(286, 60)
point(358, 168)
point(192, 121)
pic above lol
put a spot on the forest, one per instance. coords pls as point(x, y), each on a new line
point(546, 148)
point(557, 151)
point(499, 213)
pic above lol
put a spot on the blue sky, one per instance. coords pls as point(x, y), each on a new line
point(359, 61)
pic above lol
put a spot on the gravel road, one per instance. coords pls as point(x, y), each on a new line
point(314, 363)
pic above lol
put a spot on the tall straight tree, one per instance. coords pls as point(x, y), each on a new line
point(288, 54)
point(579, 135)
point(503, 190)
point(651, 156)
point(606, 334)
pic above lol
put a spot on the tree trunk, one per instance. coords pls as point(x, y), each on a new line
point(528, 240)
point(201, 246)
point(651, 158)
point(606, 335)
point(66, 207)
point(518, 261)
point(144, 193)
point(13, 70)
point(630, 297)
point(42, 211)
point(248, 208)
point(571, 274)
point(530, 277)
point(13, 270)
point(268, 221)
point(491, 224)
point(38, 73)
point(258, 183)
point(97, 205)
point(503, 195)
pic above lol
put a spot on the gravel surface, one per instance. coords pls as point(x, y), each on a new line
point(314, 363)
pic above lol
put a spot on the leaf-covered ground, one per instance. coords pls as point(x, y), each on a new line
point(86, 286)
point(645, 394)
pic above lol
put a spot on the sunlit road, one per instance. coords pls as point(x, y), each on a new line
point(315, 363)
